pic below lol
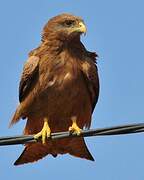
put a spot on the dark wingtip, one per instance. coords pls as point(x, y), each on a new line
point(91, 158)
point(16, 164)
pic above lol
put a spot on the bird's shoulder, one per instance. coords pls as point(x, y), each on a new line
point(30, 70)
point(88, 64)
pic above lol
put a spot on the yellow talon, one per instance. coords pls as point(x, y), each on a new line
point(74, 128)
point(45, 132)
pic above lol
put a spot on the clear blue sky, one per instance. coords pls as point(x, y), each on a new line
point(116, 33)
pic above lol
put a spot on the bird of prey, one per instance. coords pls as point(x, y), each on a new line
point(58, 90)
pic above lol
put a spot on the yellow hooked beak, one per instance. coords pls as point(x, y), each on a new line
point(81, 28)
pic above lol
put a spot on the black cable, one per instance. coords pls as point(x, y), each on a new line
point(115, 130)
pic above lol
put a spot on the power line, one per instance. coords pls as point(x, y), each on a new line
point(115, 130)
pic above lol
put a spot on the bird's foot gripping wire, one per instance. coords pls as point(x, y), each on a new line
point(74, 128)
point(44, 133)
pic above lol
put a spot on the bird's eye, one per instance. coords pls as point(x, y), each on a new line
point(69, 23)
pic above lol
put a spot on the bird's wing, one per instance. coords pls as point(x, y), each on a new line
point(91, 78)
point(93, 85)
point(29, 75)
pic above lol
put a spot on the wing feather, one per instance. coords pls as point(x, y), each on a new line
point(90, 75)
point(30, 72)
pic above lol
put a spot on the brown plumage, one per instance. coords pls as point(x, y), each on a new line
point(59, 81)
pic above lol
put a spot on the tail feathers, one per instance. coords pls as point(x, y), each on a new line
point(35, 151)
point(78, 148)
point(32, 153)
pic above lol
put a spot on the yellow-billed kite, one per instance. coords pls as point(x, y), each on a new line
point(58, 90)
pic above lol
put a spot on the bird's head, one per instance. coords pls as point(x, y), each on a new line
point(64, 26)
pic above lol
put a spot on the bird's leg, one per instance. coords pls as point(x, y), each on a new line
point(74, 128)
point(45, 132)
